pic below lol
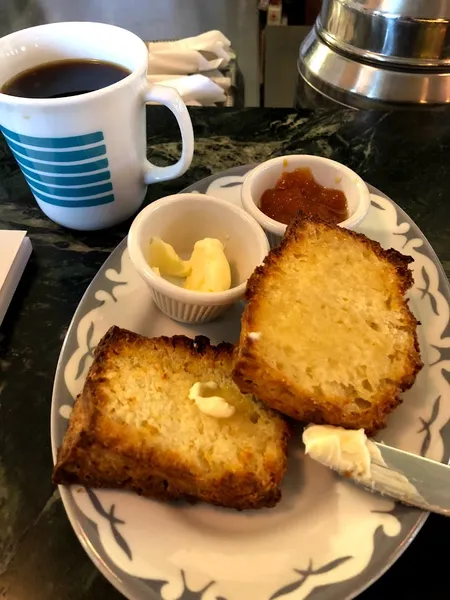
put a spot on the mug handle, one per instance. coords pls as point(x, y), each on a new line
point(172, 99)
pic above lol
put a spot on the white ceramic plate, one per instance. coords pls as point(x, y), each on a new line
point(326, 539)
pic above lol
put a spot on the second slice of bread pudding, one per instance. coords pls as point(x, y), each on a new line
point(134, 426)
point(327, 335)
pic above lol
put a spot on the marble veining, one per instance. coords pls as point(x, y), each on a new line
point(407, 158)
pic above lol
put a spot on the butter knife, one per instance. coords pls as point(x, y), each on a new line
point(408, 478)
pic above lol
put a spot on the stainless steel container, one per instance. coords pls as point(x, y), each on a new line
point(379, 53)
point(403, 32)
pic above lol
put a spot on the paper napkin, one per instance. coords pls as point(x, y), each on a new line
point(15, 250)
point(196, 90)
point(192, 66)
point(210, 50)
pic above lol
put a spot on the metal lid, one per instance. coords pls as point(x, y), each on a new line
point(350, 81)
point(403, 32)
point(415, 9)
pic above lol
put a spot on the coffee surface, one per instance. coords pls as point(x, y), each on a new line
point(62, 78)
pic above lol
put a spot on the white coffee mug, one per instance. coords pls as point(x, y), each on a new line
point(84, 157)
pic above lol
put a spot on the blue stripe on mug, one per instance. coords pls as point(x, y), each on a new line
point(82, 168)
point(57, 157)
point(80, 179)
point(67, 178)
point(87, 202)
point(66, 192)
point(63, 142)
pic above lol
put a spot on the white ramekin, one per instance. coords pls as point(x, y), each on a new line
point(181, 220)
point(328, 173)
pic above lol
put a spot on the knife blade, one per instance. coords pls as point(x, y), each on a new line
point(410, 479)
point(406, 477)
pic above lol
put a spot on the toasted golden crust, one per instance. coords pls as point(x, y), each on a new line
point(257, 369)
point(100, 450)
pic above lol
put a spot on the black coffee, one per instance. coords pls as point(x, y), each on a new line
point(64, 78)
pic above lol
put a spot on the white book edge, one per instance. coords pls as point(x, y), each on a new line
point(14, 275)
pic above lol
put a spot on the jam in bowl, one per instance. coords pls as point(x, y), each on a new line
point(276, 190)
point(298, 191)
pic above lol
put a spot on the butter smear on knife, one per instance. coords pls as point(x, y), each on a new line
point(347, 451)
point(352, 454)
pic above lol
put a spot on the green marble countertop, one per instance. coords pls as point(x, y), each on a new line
point(406, 156)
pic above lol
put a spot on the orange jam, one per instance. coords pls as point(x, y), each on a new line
point(298, 191)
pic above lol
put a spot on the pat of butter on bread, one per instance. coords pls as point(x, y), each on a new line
point(214, 406)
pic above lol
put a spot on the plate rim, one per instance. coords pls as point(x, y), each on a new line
point(112, 572)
